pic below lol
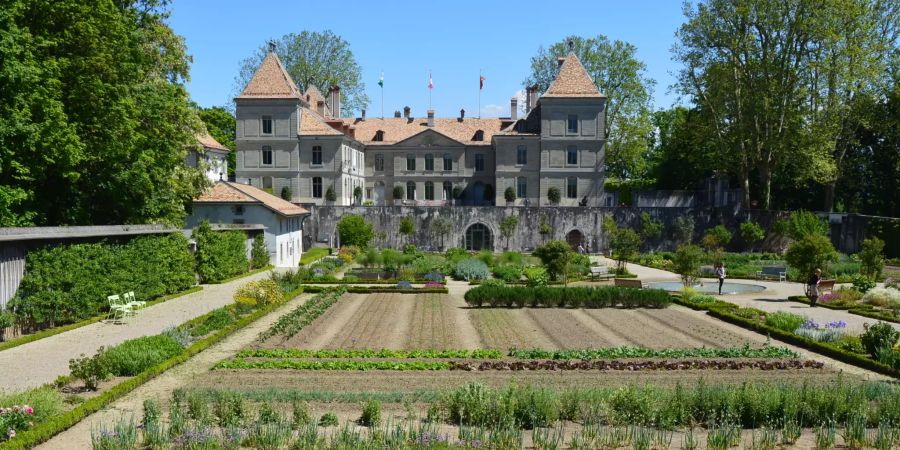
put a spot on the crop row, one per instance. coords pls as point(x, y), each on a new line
point(572, 297)
point(284, 353)
point(643, 352)
point(291, 323)
point(698, 364)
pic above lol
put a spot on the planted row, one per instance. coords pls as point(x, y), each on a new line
point(633, 366)
point(643, 352)
point(295, 364)
point(284, 353)
point(572, 297)
point(291, 323)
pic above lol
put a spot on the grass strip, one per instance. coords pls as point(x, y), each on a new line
point(51, 427)
point(6, 345)
point(246, 274)
point(240, 363)
point(314, 254)
point(642, 352)
point(286, 353)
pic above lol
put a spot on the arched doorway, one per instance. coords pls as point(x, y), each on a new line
point(575, 238)
point(479, 237)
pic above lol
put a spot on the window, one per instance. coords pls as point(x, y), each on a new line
point(317, 155)
point(267, 155)
point(239, 210)
point(448, 162)
point(572, 123)
point(317, 187)
point(572, 155)
point(429, 190)
point(448, 190)
point(429, 162)
point(521, 187)
point(410, 161)
point(571, 187)
point(479, 136)
point(522, 155)
point(479, 162)
point(266, 124)
point(379, 162)
point(410, 190)
point(379, 136)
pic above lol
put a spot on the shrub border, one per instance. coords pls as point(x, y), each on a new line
point(388, 282)
point(55, 425)
point(6, 345)
point(859, 311)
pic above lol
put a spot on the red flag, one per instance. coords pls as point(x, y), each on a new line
point(480, 82)
point(430, 83)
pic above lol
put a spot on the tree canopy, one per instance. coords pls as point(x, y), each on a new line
point(315, 59)
point(221, 125)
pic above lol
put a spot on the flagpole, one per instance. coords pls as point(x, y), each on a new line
point(382, 94)
point(479, 93)
point(429, 89)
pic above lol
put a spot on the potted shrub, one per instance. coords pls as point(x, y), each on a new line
point(357, 195)
point(553, 194)
point(398, 194)
point(509, 195)
point(330, 196)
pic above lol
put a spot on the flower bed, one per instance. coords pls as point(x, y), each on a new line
point(573, 297)
point(368, 353)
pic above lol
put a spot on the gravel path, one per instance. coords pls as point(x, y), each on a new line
point(161, 387)
point(42, 361)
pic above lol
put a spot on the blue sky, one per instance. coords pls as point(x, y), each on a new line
point(454, 39)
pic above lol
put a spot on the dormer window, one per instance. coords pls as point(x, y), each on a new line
point(266, 124)
point(379, 136)
point(479, 136)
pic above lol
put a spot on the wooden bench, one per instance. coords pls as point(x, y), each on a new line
point(826, 286)
point(598, 272)
point(774, 272)
point(629, 283)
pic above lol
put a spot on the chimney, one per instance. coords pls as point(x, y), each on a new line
point(396, 114)
point(271, 46)
point(560, 61)
point(533, 98)
point(431, 118)
point(406, 111)
point(363, 115)
point(462, 114)
point(527, 99)
point(320, 107)
point(513, 108)
point(335, 92)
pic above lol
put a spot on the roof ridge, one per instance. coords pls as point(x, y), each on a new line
point(271, 80)
point(572, 80)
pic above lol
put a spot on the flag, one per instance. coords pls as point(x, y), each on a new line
point(430, 83)
point(381, 80)
point(480, 82)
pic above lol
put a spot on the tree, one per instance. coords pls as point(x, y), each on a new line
point(407, 228)
point(555, 256)
point(553, 194)
point(441, 227)
point(95, 121)
point(650, 228)
point(871, 257)
point(716, 237)
point(544, 228)
point(686, 262)
point(330, 195)
point(357, 194)
point(683, 230)
point(354, 230)
point(622, 77)
point(286, 193)
point(809, 253)
point(315, 59)
point(624, 243)
point(398, 192)
point(221, 125)
point(509, 194)
point(804, 223)
point(751, 234)
point(508, 227)
point(681, 156)
point(259, 254)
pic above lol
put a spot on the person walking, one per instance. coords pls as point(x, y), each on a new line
point(812, 287)
point(720, 274)
point(581, 250)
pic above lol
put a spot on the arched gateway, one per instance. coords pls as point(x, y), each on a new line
point(479, 237)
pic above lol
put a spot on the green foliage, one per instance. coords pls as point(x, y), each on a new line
point(624, 243)
point(354, 230)
point(286, 193)
point(371, 414)
point(509, 273)
point(407, 227)
point(221, 125)
point(879, 336)
point(91, 370)
point(553, 194)
point(862, 283)
point(330, 195)
point(471, 269)
point(574, 297)
point(804, 223)
point(68, 283)
point(314, 254)
point(509, 195)
point(785, 321)
point(555, 256)
point(686, 262)
point(259, 255)
point(716, 237)
point(216, 320)
point(871, 257)
point(328, 419)
point(683, 230)
point(650, 228)
point(398, 192)
point(643, 352)
point(536, 276)
point(441, 227)
point(137, 355)
point(291, 323)
point(751, 234)
point(258, 293)
point(814, 251)
point(295, 353)
point(220, 254)
point(508, 227)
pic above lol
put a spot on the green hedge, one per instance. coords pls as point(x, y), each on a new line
point(573, 297)
point(396, 290)
point(861, 309)
point(220, 254)
point(68, 283)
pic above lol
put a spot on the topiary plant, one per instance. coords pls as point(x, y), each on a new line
point(879, 336)
point(330, 195)
point(509, 195)
point(398, 193)
point(553, 194)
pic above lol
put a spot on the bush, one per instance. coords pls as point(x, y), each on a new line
point(536, 276)
point(509, 195)
point(751, 234)
point(883, 297)
point(259, 255)
point(574, 297)
point(90, 370)
point(258, 293)
point(330, 195)
point(650, 228)
point(810, 253)
point(137, 355)
point(354, 230)
point(553, 194)
point(878, 336)
point(486, 256)
point(686, 262)
point(683, 230)
point(217, 320)
point(862, 283)
point(328, 419)
point(871, 257)
point(785, 321)
point(371, 414)
point(220, 254)
point(471, 269)
point(556, 256)
point(509, 274)
point(398, 193)
point(802, 224)
point(68, 283)
point(624, 243)
point(716, 237)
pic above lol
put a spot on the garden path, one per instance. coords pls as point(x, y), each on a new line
point(161, 387)
point(773, 299)
point(42, 361)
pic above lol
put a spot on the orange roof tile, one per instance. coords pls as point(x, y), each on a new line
point(400, 129)
point(206, 140)
point(228, 192)
point(572, 81)
point(312, 124)
point(271, 81)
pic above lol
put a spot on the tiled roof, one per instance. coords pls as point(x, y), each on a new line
point(271, 81)
point(313, 96)
point(228, 192)
point(399, 129)
point(512, 130)
point(572, 81)
point(206, 140)
point(312, 124)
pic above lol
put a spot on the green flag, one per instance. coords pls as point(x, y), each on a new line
point(381, 80)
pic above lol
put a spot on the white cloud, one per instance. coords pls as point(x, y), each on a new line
point(492, 110)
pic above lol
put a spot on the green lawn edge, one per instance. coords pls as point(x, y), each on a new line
point(6, 345)
point(51, 427)
point(314, 254)
point(245, 274)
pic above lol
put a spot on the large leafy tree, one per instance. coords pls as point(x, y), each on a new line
point(221, 125)
point(95, 121)
point(314, 59)
point(623, 79)
point(682, 156)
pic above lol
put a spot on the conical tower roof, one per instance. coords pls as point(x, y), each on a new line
point(271, 81)
point(572, 81)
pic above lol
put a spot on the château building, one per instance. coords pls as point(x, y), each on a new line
point(299, 146)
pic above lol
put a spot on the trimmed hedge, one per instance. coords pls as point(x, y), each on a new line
point(65, 284)
point(396, 290)
point(220, 254)
point(860, 310)
point(572, 297)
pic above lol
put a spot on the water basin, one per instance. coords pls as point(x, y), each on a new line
point(709, 287)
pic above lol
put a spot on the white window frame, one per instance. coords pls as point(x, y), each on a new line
point(312, 158)
point(262, 157)
point(321, 190)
